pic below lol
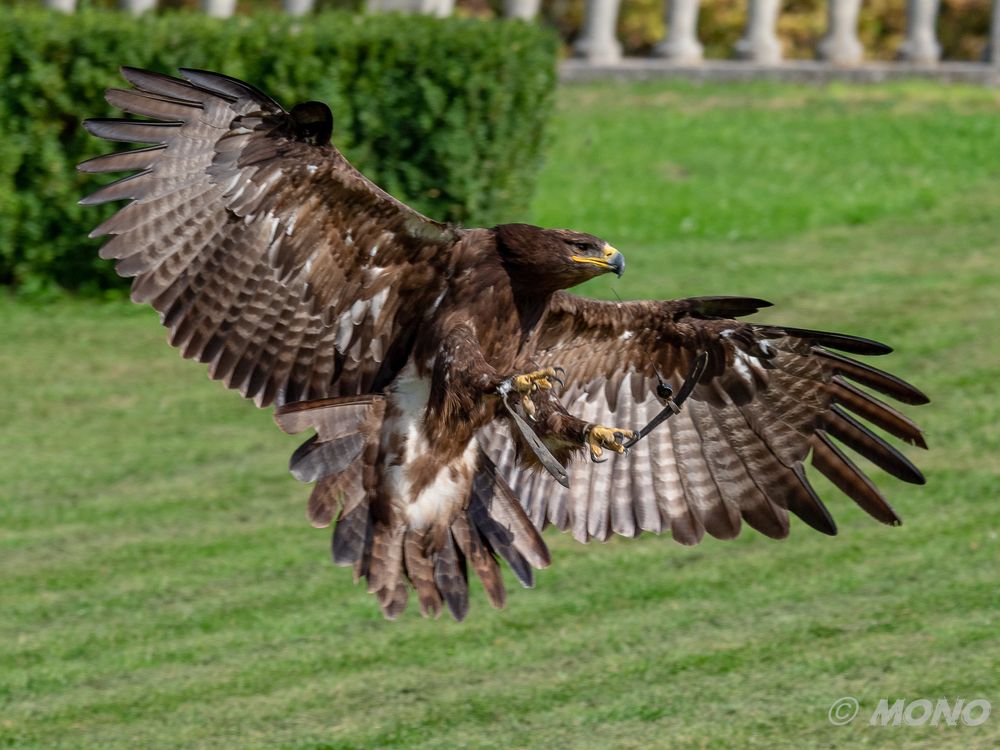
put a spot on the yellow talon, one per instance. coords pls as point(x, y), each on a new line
point(528, 405)
point(539, 380)
point(612, 438)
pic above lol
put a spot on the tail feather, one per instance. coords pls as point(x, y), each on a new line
point(323, 502)
point(474, 550)
point(332, 418)
point(499, 541)
point(386, 577)
point(451, 577)
point(352, 535)
point(314, 460)
point(385, 567)
point(376, 539)
point(420, 570)
point(361, 565)
point(504, 528)
point(502, 506)
point(394, 602)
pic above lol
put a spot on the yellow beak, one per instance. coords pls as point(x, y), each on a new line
point(611, 260)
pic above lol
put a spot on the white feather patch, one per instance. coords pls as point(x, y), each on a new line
point(410, 395)
point(447, 489)
point(377, 302)
point(358, 310)
point(345, 329)
point(741, 363)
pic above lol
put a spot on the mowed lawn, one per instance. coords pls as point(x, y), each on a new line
point(162, 589)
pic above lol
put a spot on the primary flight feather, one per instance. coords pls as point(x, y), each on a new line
point(447, 375)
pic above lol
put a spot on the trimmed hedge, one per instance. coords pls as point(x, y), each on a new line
point(447, 114)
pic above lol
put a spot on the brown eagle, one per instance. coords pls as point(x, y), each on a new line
point(444, 369)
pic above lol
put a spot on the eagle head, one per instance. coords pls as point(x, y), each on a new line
point(557, 258)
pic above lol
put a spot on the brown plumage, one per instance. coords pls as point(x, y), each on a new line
point(394, 337)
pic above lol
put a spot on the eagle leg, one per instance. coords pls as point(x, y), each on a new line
point(541, 451)
point(529, 383)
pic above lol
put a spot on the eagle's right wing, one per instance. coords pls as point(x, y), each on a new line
point(770, 397)
point(268, 256)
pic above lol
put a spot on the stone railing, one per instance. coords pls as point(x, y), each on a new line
point(598, 46)
point(759, 42)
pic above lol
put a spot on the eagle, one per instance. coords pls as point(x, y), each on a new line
point(461, 399)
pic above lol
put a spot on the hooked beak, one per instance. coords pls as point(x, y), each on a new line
point(617, 262)
point(612, 260)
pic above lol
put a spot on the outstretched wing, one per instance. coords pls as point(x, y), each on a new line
point(769, 397)
point(268, 256)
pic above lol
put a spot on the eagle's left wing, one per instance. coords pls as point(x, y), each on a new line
point(769, 397)
point(269, 257)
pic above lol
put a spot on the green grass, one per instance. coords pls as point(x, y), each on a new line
point(161, 588)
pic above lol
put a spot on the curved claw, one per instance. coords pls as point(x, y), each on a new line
point(560, 381)
point(599, 438)
point(627, 445)
point(529, 406)
point(532, 382)
point(559, 369)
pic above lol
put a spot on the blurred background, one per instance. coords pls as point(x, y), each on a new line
point(963, 27)
point(160, 585)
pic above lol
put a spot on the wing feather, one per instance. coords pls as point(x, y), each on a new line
point(262, 248)
point(728, 473)
point(641, 490)
point(623, 520)
point(755, 505)
point(771, 397)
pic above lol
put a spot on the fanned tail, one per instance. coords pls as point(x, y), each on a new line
point(378, 543)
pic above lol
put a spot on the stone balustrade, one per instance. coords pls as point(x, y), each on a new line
point(759, 42)
point(598, 44)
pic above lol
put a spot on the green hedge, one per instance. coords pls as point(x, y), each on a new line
point(446, 114)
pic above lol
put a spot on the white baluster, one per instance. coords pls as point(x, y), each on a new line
point(921, 44)
point(137, 7)
point(598, 43)
point(841, 45)
point(218, 8)
point(760, 42)
point(526, 10)
point(681, 44)
point(992, 52)
point(297, 7)
point(424, 7)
